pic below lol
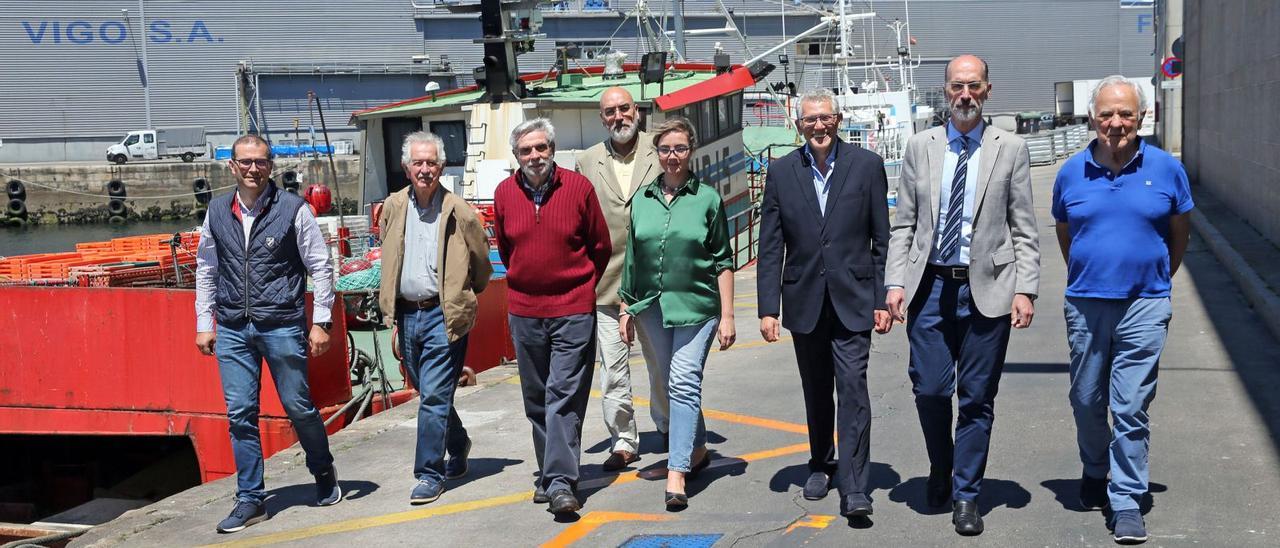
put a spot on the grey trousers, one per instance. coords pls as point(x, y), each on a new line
point(555, 357)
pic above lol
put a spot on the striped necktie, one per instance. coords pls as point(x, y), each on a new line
point(955, 207)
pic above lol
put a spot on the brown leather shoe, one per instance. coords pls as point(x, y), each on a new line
point(619, 460)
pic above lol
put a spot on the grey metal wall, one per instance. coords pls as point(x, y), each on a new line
point(83, 82)
point(69, 67)
point(1230, 143)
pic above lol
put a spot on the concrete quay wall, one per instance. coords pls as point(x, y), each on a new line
point(76, 186)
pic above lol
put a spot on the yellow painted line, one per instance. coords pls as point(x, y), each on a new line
point(816, 522)
point(733, 417)
point(379, 521)
point(752, 344)
point(593, 520)
point(357, 524)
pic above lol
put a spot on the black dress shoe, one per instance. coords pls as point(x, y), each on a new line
point(676, 501)
point(817, 486)
point(563, 502)
point(540, 495)
point(938, 489)
point(855, 505)
point(966, 518)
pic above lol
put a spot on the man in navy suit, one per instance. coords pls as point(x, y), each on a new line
point(824, 234)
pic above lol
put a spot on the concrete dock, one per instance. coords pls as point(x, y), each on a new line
point(1214, 452)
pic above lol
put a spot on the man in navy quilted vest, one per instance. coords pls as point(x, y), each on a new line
point(257, 246)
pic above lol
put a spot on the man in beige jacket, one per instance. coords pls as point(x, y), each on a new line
point(618, 167)
point(435, 258)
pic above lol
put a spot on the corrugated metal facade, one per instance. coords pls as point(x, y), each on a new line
point(69, 66)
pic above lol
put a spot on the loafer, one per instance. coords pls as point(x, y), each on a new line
point(540, 495)
point(938, 489)
point(855, 505)
point(966, 519)
point(426, 491)
point(676, 501)
point(456, 466)
point(817, 486)
point(1093, 493)
point(243, 514)
point(619, 459)
point(563, 502)
point(1129, 528)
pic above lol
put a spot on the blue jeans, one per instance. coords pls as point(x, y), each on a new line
point(680, 354)
point(433, 364)
point(240, 351)
point(1115, 357)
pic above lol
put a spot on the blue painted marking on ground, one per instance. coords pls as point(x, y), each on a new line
point(672, 541)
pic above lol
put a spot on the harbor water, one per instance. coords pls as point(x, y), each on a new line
point(57, 238)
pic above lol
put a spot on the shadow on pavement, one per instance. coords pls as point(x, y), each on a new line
point(304, 494)
point(480, 468)
point(1067, 493)
point(995, 493)
point(1251, 347)
point(1019, 367)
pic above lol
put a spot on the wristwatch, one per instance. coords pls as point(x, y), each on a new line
point(326, 326)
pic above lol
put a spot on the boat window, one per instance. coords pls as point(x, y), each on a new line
point(132, 140)
point(724, 124)
point(735, 111)
point(454, 135)
point(148, 138)
point(707, 121)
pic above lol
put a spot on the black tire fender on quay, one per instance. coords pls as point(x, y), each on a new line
point(116, 188)
point(117, 208)
point(16, 190)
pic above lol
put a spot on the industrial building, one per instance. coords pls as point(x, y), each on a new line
point(78, 74)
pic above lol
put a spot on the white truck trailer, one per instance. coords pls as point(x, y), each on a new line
point(185, 142)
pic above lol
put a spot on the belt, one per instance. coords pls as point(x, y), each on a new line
point(424, 304)
point(950, 272)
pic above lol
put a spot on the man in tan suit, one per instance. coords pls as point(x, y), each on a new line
point(964, 266)
point(618, 167)
point(435, 259)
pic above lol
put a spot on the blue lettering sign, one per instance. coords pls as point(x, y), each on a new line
point(36, 36)
point(105, 32)
point(83, 36)
point(198, 29)
point(160, 33)
point(1144, 21)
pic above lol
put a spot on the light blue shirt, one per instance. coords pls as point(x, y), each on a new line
point(821, 181)
point(418, 276)
point(949, 161)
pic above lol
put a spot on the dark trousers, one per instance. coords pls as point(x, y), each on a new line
point(555, 357)
point(955, 350)
point(834, 359)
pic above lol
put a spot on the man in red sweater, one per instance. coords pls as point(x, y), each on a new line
point(555, 243)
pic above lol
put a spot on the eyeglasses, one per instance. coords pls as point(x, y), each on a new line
point(678, 150)
point(620, 109)
point(974, 87)
point(540, 147)
point(813, 119)
point(246, 163)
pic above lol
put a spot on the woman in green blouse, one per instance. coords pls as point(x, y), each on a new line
point(677, 281)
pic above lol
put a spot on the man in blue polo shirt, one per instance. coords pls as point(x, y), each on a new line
point(1121, 207)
